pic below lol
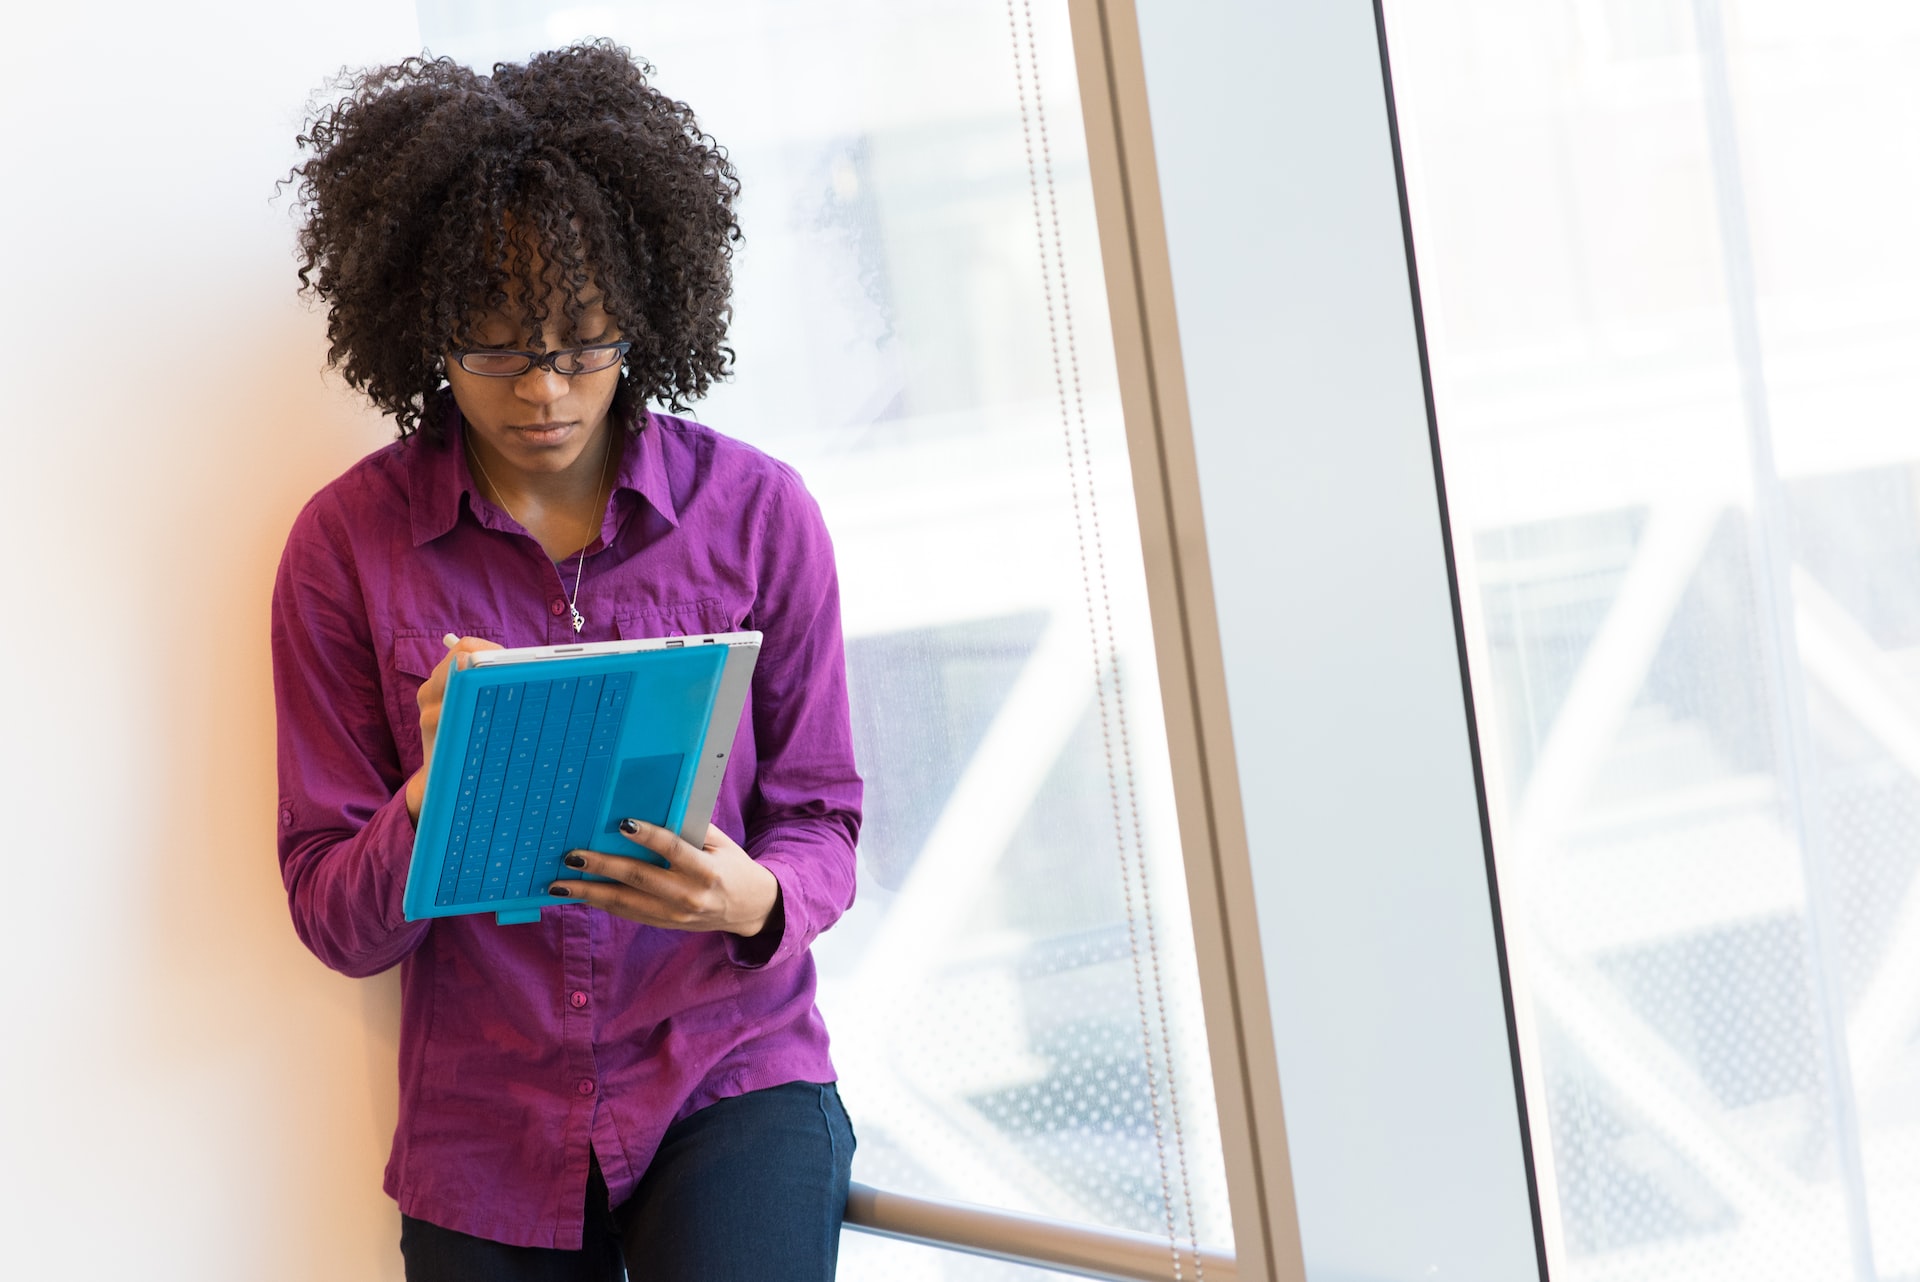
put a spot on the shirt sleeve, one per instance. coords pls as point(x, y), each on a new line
point(345, 835)
point(804, 816)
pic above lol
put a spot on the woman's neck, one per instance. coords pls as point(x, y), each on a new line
point(563, 509)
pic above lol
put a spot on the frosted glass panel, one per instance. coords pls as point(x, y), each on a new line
point(928, 344)
point(1670, 287)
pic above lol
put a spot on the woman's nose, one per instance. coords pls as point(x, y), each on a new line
point(540, 386)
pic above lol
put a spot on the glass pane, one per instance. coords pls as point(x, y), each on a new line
point(1670, 290)
point(922, 332)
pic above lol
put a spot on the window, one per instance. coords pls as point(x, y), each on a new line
point(1669, 286)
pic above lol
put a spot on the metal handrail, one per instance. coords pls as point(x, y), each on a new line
point(1030, 1239)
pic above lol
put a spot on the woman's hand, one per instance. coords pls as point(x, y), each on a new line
point(715, 887)
point(433, 692)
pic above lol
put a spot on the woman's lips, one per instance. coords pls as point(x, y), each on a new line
point(542, 433)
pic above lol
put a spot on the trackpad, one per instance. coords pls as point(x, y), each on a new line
point(643, 790)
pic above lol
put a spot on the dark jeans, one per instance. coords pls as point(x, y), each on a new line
point(750, 1189)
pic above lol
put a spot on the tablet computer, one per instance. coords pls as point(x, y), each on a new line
point(545, 750)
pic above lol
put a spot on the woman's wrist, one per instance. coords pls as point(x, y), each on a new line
point(766, 899)
point(416, 793)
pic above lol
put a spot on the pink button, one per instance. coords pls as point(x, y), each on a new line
point(558, 607)
point(577, 999)
point(586, 1086)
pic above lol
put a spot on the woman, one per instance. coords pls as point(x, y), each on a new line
point(514, 267)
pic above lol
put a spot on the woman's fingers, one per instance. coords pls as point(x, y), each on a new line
point(433, 693)
point(664, 842)
point(458, 648)
point(434, 688)
point(635, 889)
point(718, 888)
point(637, 873)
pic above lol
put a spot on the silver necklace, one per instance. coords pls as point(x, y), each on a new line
point(573, 601)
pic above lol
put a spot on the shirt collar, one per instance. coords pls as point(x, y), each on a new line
point(440, 479)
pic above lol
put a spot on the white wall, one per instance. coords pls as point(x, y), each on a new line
point(183, 1089)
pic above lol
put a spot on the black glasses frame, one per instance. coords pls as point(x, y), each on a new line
point(542, 360)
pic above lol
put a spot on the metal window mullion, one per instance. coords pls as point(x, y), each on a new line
point(1186, 639)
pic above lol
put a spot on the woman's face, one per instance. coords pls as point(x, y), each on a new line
point(539, 422)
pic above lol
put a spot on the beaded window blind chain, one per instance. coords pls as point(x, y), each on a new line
point(1103, 645)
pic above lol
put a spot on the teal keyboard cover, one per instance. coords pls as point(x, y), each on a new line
point(535, 759)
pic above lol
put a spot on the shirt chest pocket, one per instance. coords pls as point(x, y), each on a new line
point(682, 619)
point(409, 661)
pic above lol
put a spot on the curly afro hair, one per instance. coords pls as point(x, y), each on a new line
point(429, 185)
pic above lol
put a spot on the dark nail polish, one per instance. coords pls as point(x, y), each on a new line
point(574, 861)
point(629, 827)
point(558, 890)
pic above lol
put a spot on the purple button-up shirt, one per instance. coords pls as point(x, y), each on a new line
point(523, 1049)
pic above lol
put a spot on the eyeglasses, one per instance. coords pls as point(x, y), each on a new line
point(489, 362)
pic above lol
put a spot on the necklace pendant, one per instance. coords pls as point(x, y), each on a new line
point(579, 620)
